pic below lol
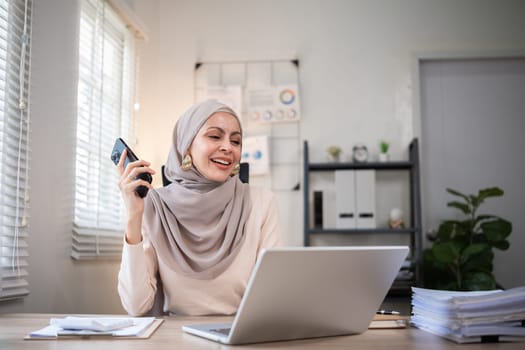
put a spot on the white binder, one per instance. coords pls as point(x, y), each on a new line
point(355, 199)
point(365, 198)
point(329, 208)
point(345, 198)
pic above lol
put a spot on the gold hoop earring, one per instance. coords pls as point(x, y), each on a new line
point(187, 162)
point(236, 169)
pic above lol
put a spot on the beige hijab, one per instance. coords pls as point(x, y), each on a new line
point(196, 225)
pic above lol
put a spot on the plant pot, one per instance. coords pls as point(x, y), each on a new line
point(333, 158)
point(384, 157)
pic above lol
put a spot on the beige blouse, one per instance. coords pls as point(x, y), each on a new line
point(187, 296)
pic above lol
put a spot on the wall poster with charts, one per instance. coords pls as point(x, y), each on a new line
point(266, 96)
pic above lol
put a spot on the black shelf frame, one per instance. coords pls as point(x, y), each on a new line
point(352, 166)
point(414, 228)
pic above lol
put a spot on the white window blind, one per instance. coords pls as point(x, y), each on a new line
point(105, 98)
point(15, 24)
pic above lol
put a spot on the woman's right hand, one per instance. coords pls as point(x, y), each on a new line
point(134, 203)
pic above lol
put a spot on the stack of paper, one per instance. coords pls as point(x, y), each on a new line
point(469, 317)
point(96, 326)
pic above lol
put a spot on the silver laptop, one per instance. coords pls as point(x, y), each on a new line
point(307, 292)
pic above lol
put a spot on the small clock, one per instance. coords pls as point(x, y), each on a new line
point(360, 153)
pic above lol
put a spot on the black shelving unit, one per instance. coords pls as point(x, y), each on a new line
point(413, 230)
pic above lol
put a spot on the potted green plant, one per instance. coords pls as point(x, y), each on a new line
point(461, 256)
point(383, 151)
point(334, 153)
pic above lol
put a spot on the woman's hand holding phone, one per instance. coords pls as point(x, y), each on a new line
point(132, 200)
point(116, 155)
point(135, 181)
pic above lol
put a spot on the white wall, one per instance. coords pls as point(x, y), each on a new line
point(356, 60)
point(355, 83)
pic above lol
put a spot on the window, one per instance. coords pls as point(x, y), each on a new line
point(15, 25)
point(105, 98)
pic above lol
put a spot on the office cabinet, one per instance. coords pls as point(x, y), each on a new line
point(348, 196)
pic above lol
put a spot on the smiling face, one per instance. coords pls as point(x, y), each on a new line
point(216, 148)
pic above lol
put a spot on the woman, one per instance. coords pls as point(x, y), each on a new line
point(202, 234)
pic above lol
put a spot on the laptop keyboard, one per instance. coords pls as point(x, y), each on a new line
point(224, 331)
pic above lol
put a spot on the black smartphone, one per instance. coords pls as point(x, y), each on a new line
point(118, 148)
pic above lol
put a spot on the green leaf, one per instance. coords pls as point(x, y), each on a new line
point(496, 230)
point(437, 275)
point(473, 250)
point(486, 217)
point(480, 238)
point(461, 206)
point(453, 229)
point(463, 229)
point(501, 245)
point(431, 264)
point(489, 192)
point(479, 281)
point(447, 252)
point(457, 193)
point(479, 262)
point(445, 231)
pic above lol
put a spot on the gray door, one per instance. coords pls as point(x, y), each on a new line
point(473, 136)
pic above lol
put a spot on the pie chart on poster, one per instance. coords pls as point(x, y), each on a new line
point(287, 96)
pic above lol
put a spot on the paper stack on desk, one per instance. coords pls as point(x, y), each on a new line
point(133, 327)
point(97, 324)
point(470, 317)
